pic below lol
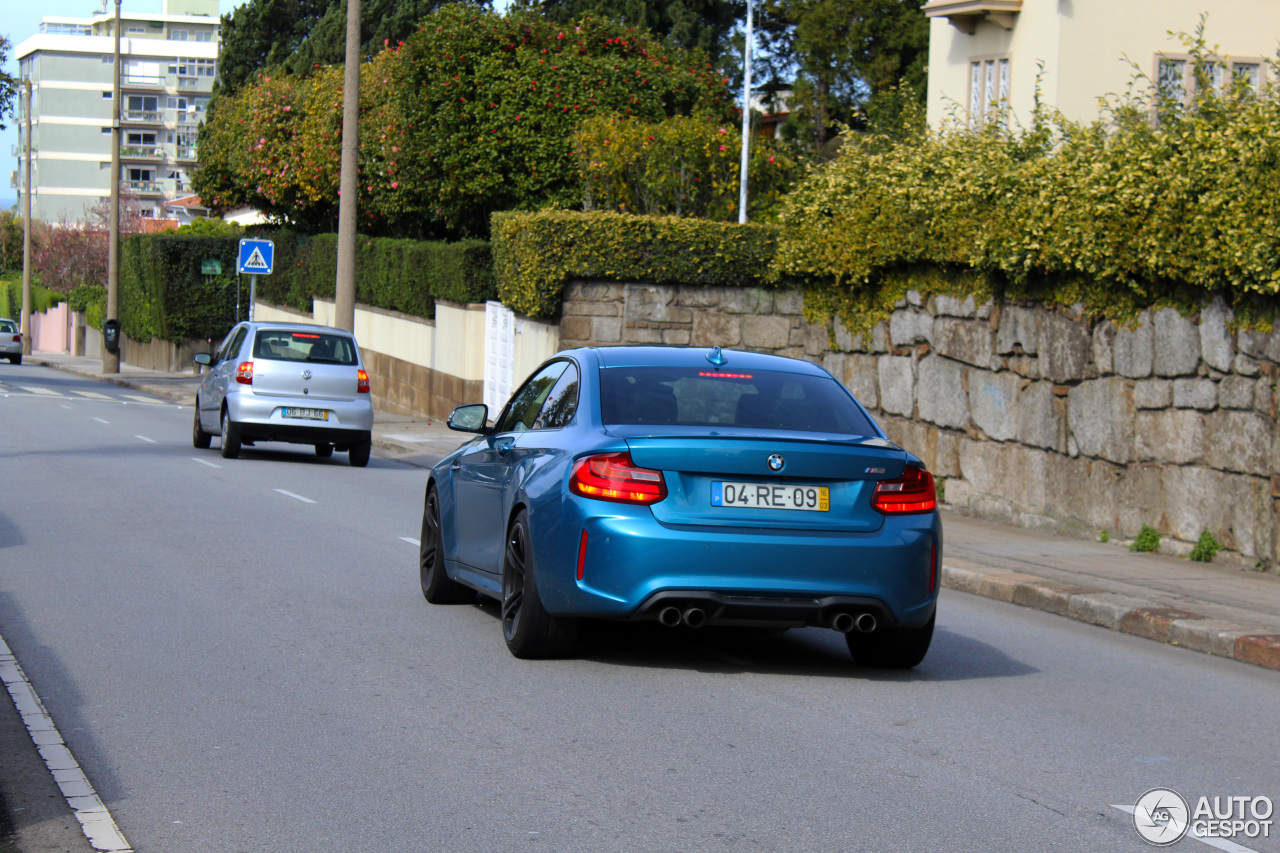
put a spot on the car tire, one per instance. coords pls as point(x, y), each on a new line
point(324, 451)
point(437, 586)
point(529, 630)
point(358, 455)
point(892, 648)
point(230, 437)
point(200, 439)
point(15, 359)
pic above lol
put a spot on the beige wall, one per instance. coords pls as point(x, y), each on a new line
point(1083, 45)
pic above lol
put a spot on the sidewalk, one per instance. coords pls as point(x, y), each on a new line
point(1210, 608)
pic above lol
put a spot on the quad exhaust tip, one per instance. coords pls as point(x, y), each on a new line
point(846, 623)
point(669, 616)
point(694, 617)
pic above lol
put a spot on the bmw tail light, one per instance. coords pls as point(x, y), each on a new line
point(362, 382)
point(614, 477)
point(912, 492)
point(244, 373)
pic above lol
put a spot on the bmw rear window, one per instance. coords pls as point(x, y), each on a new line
point(748, 399)
point(313, 347)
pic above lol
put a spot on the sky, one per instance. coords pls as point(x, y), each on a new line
point(19, 20)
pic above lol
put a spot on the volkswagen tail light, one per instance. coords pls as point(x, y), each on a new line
point(244, 373)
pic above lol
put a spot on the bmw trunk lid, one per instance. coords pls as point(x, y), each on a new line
point(819, 483)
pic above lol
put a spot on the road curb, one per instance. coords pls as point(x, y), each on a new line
point(1123, 613)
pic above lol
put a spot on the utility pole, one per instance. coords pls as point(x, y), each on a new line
point(110, 359)
point(26, 234)
point(344, 300)
point(746, 122)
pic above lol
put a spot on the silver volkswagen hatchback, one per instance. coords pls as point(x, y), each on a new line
point(291, 382)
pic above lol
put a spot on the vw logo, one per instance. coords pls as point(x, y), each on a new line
point(776, 462)
point(306, 374)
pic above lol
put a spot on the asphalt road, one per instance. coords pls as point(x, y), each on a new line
point(238, 654)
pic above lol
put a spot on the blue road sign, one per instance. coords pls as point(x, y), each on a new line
point(256, 256)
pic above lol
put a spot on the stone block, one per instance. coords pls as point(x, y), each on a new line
point(914, 298)
point(1019, 327)
point(747, 300)
point(1259, 650)
point(1134, 349)
point(1050, 596)
point(695, 296)
point(1215, 340)
point(650, 303)
point(947, 458)
point(1064, 347)
point(788, 302)
point(1154, 623)
point(1169, 435)
point(950, 306)
point(589, 309)
point(1239, 441)
point(1236, 392)
point(993, 403)
point(1194, 501)
point(1026, 366)
point(1153, 394)
point(595, 291)
point(880, 337)
point(1210, 636)
point(716, 329)
point(970, 341)
point(1177, 344)
point(845, 340)
point(907, 328)
point(766, 332)
point(1139, 497)
point(1103, 350)
point(575, 328)
point(1040, 416)
point(817, 338)
point(1258, 344)
point(643, 335)
point(606, 330)
point(1004, 473)
point(1107, 609)
point(941, 396)
point(1100, 417)
point(897, 385)
point(677, 337)
point(1199, 394)
point(1263, 398)
point(1246, 366)
point(860, 378)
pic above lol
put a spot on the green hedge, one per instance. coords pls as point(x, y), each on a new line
point(42, 298)
point(536, 253)
point(163, 294)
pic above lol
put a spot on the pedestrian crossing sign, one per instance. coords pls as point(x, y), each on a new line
point(256, 256)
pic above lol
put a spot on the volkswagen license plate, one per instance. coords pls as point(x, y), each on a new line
point(307, 414)
point(771, 496)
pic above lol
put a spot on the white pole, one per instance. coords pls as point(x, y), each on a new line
point(746, 122)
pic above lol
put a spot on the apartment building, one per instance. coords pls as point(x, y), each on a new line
point(985, 55)
point(167, 67)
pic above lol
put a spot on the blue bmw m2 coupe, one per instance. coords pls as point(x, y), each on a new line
point(691, 487)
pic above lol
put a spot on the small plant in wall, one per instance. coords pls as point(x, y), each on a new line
point(1205, 548)
point(1104, 536)
point(1148, 539)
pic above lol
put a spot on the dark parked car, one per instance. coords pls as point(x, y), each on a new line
point(689, 487)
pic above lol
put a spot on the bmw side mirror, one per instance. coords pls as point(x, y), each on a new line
point(203, 358)
point(473, 418)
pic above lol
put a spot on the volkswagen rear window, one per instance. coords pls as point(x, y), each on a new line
point(312, 347)
point(747, 399)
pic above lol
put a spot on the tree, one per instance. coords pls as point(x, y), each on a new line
point(472, 114)
point(68, 255)
point(301, 35)
point(8, 84)
point(701, 25)
point(840, 56)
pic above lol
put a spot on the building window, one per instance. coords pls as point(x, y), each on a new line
point(106, 95)
point(141, 139)
point(108, 59)
point(135, 31)
point(143, 103)
point(177, 35)
point(1176, 79)
point(204, 67)
point(136, 174)
point(204, 35)
point(104, 130)
point(988, 90)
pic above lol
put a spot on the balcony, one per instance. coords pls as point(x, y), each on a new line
point(142, 189)
point(141, 152)
point(186, 153)
point(141, 117)
point(188, 84)
point(134, 82)
point(965, 15)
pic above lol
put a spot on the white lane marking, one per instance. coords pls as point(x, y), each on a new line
point(147, 440)
point(101, 421)
point(95, 820)
point(411, 541)
point(44, 392)
point(204, 462)
point(142, 399)
point(1219, 843)
point(295, 497)
point(65, 406)
point(93, 395)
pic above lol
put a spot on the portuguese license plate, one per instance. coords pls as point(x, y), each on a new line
point(307, 414)
point(771, 496)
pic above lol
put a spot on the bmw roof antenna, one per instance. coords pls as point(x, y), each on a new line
point(717, 358)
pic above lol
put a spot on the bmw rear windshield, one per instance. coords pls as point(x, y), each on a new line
point(309, 346)
point(747, 399)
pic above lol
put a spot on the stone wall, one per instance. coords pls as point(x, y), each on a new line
point(1025, 414)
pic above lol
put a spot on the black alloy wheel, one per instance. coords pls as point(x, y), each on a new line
point(529, 630)
point(437, 586)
